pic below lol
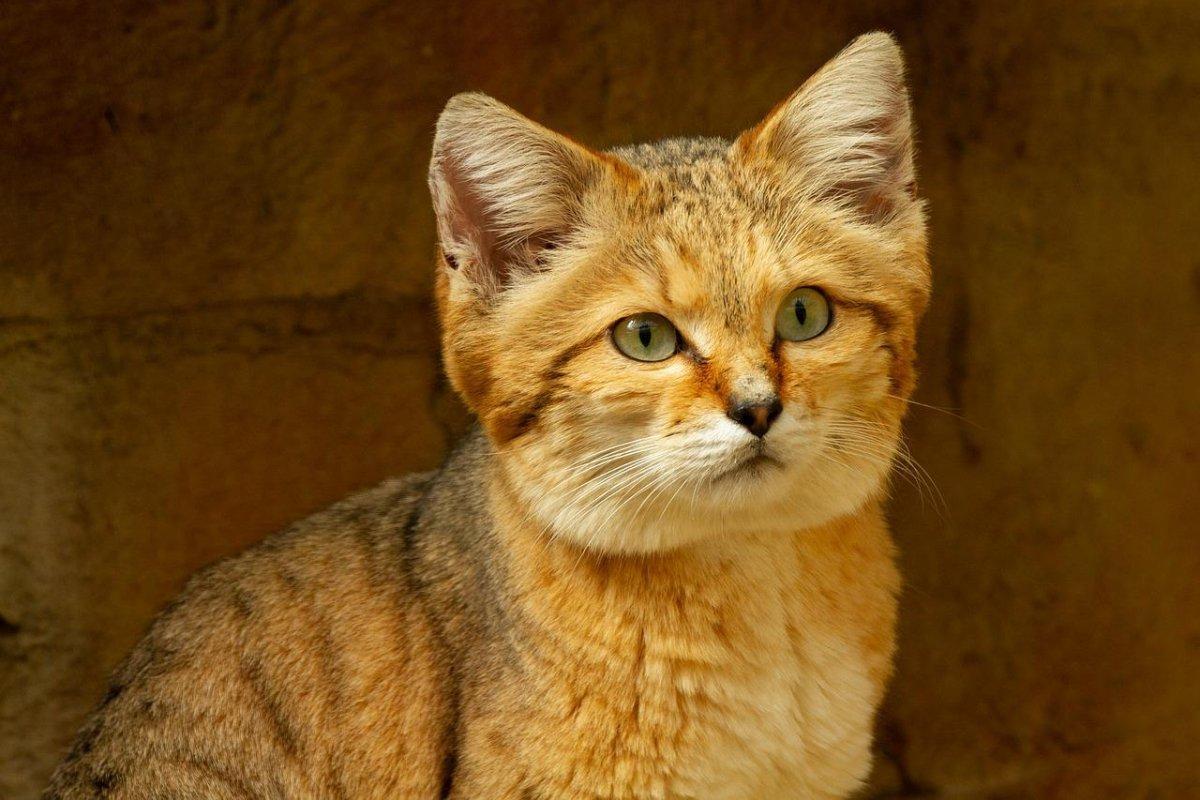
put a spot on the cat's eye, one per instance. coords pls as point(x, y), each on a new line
point(645, 337)
point(805, 314)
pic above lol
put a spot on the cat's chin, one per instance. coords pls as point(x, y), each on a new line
point(755, 468)
point(759, 496)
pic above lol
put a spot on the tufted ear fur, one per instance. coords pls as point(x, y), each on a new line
point(846, 134)
point(505, 190)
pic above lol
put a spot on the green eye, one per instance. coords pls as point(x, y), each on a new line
point(804, 314)
point(645, 337)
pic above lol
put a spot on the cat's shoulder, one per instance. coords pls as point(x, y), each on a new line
point(272, 642)
point(363, 536)
point(328, 563)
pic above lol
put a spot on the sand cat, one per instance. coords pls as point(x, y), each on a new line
point(658, 568)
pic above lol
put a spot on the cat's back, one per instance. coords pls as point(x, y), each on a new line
point(307, 666)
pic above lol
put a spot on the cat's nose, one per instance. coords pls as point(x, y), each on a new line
point(755, 415)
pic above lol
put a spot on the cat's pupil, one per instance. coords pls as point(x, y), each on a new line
point(801, 311)
point(644, 335)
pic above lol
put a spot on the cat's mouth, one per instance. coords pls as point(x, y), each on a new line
point(753, 466)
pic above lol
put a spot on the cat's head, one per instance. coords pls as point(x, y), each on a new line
point(691, 338)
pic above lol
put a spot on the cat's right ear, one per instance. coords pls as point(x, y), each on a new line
point(504, 189)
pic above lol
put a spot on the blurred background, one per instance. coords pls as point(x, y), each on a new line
point(215, 259)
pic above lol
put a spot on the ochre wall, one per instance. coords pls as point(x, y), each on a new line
point(214, 318)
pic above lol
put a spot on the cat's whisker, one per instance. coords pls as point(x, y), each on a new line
point(597, 529)
point(947, 411)
point(901, 458)
point(683, 482)
point(612, 484)
point(661, 483)
point(598, 460)
point(597, 463)
point(923, 474)
point(637, 448)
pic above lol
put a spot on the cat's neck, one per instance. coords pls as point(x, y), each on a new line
point(733, 606)
point(706, 574)
point(727, 646)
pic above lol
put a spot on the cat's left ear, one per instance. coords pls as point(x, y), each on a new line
point(846, 135)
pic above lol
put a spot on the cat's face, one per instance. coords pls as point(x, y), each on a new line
point(684, 340)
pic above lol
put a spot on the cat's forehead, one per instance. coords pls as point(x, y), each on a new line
point(688, 175)
point(688, 192)
point(701, 235)
point(679, 155)
point(693, 223)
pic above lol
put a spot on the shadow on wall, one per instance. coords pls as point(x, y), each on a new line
point(214, 318)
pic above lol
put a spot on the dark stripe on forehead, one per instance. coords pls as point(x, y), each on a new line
point(735, 293)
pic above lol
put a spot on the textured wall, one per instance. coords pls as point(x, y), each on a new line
point(214, 241)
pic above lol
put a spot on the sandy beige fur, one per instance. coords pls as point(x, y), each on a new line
point(611, 589)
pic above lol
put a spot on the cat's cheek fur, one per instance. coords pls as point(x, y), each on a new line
point(690, 491)
point(663, 483)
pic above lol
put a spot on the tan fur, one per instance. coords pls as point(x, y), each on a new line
point(612, 590)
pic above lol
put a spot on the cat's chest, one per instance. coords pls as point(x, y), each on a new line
point(734, 690)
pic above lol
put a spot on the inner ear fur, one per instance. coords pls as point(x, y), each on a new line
point(846, 135)
point(506, 190)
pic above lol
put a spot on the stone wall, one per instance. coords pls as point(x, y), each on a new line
point(214, 269)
